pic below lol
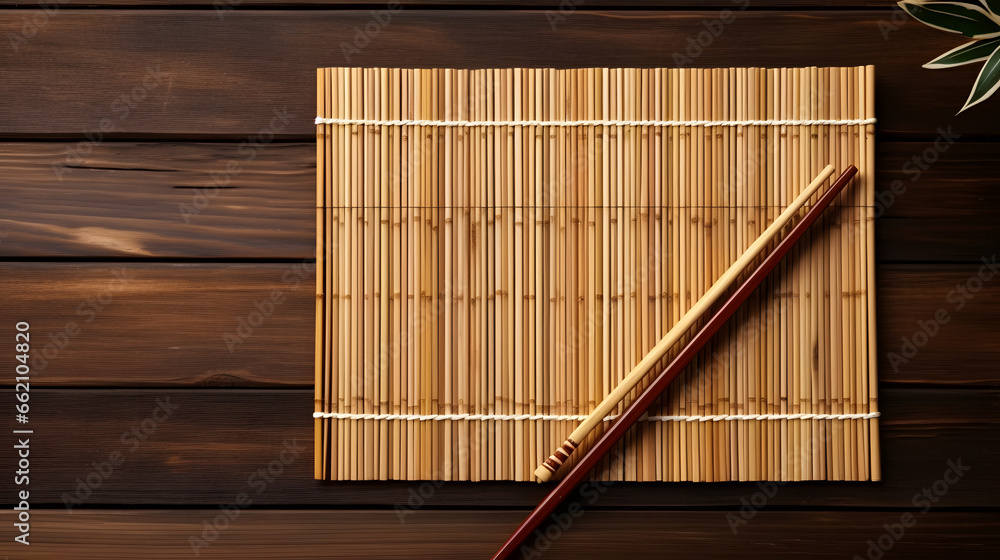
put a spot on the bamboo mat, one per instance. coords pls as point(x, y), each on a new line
point(497, 248)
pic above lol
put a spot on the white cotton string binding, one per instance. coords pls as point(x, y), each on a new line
point(768, 122)
point(582, 417)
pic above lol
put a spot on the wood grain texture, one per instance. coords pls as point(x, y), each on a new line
point(938, 182)
point(306, 534)
point(916, 304)
point(214, 442)
point(192, 74)
point(164, 324)
point(152, 200)
point(920, 241)
point(567, 4)
point(171, 322)
point(167, 200)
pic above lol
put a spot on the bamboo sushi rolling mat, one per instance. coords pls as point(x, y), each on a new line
point(497, 248)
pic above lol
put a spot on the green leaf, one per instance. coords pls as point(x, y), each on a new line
point(967, 19)
point(993, 7)
point(974, 51)
point(987, 82)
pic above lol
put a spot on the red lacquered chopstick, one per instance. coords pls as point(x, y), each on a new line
point(638, 407)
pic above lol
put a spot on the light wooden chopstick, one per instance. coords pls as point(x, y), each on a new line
point(548, 468)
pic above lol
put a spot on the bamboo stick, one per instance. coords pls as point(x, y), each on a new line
point(544, 144)
point(852, 397)
point(327, 264)
point(810, 370)
point(844, 293)
point(836, 336)
point(546, 361)
point(384, 294)
point(320, 439)
point(868, 202)
point(785, 287)
point(730, 254)
point(461, 444)
point(559, 266)
point(346, 227)
point(658, 183)
point(445, 373)
point(491, 244)
point(357, 280)
point(821, 404)
point(405, 169)
point(420, 263)
point(477, 390)
point(517, 293)
point(506, 275)
point(325, 321)
point(413, 244)
point(629, 188)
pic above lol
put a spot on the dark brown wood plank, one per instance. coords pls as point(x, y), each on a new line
point(207, 449)
point(308, 534)
point(157, 200)
point(927, 324)
point(937, 200)
point(923, 240)
point(139, 324)
point(171, 321)
point(567, 5)
point(213, 77)
point(947, 186)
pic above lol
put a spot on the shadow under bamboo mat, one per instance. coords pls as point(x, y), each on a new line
point(497, 248)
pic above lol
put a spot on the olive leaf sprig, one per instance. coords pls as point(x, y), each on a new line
point(979, 21)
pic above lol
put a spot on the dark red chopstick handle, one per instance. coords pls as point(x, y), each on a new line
point(638, 407)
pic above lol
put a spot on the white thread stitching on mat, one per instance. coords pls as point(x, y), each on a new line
point(769, 122)
point(579, 417)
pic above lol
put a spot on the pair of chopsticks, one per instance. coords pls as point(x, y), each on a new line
point(638, 407)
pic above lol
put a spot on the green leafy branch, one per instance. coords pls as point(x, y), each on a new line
point(979, 21)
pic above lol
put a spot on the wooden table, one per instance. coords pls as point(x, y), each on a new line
point(156, 184)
